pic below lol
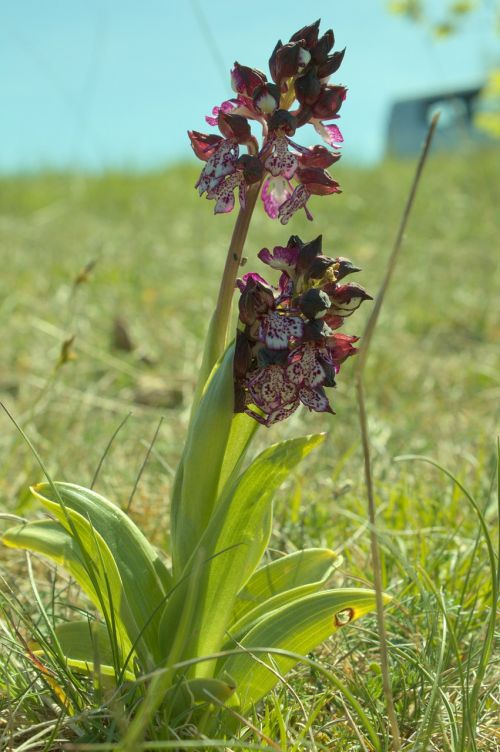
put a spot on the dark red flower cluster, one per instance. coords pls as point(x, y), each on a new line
point(299, 93)
point(288, 348)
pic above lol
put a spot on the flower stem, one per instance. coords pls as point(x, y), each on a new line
point(217, 332)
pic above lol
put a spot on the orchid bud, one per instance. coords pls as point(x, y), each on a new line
point(272, 62)
point(308, 252)
point(308, 33)
point(289, 60)
point(332, 64)
point(319, 52)
point(266, 98)
point(345, 267)
point(234, 126)
point(307, 88)
point(329, 102)
point(244, 80)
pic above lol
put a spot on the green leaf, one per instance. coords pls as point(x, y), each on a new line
point(184, 695)
point(87, 647)
point(243, 429)
point(88, 560)
point(197, 479)
point(279, 582)
point(142, 573)
point(233, 545)
point(49, 538)
point(298, 627)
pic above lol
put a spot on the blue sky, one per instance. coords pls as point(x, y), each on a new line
point(99, 84)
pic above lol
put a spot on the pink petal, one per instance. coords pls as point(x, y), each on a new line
point(275, 192)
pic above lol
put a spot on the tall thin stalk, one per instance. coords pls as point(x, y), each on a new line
point(361, 362)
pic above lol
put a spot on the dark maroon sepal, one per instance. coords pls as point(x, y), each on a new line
point(272, 62)
point(319, 267)
point(345, 267)
point(204, 146)
point(308, 253)
point(317, 181)
point(319, 52)
point(331, 65)
point(245, 80)
point(329, 102)
point(308, 33)
point(287, 61)
point(234, 126)
point(318, 156)
point(242, 355)
point(240, 398)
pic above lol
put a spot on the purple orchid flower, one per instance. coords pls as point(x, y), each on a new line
point(288, 350)
point(299, 93)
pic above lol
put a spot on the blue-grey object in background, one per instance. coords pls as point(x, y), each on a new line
point(409, 121)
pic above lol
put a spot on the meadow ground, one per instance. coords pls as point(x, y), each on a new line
point(432, 389)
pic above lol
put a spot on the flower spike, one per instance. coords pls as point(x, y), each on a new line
point(287, 347)
point(298, 93)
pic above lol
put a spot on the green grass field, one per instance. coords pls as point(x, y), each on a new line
point(432, 389)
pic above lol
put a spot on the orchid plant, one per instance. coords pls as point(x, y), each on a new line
point(217, 624)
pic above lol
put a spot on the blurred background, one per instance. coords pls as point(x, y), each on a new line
point(100, 84)
point(111, 261)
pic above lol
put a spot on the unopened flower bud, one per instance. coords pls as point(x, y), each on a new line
point(307, 88)
point(234, 126)
point(308, 33)
point(319, 52)
point(307, 253)
point(345, 267)
point(329, 102)
point(244, 80)
point(266, 98)
point(314, 303)
point(289, 60)
point(331, 65)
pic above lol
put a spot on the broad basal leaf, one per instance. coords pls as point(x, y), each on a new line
point(142, 572)
point(298, 627)
point(89, 561)
point(279, 582)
